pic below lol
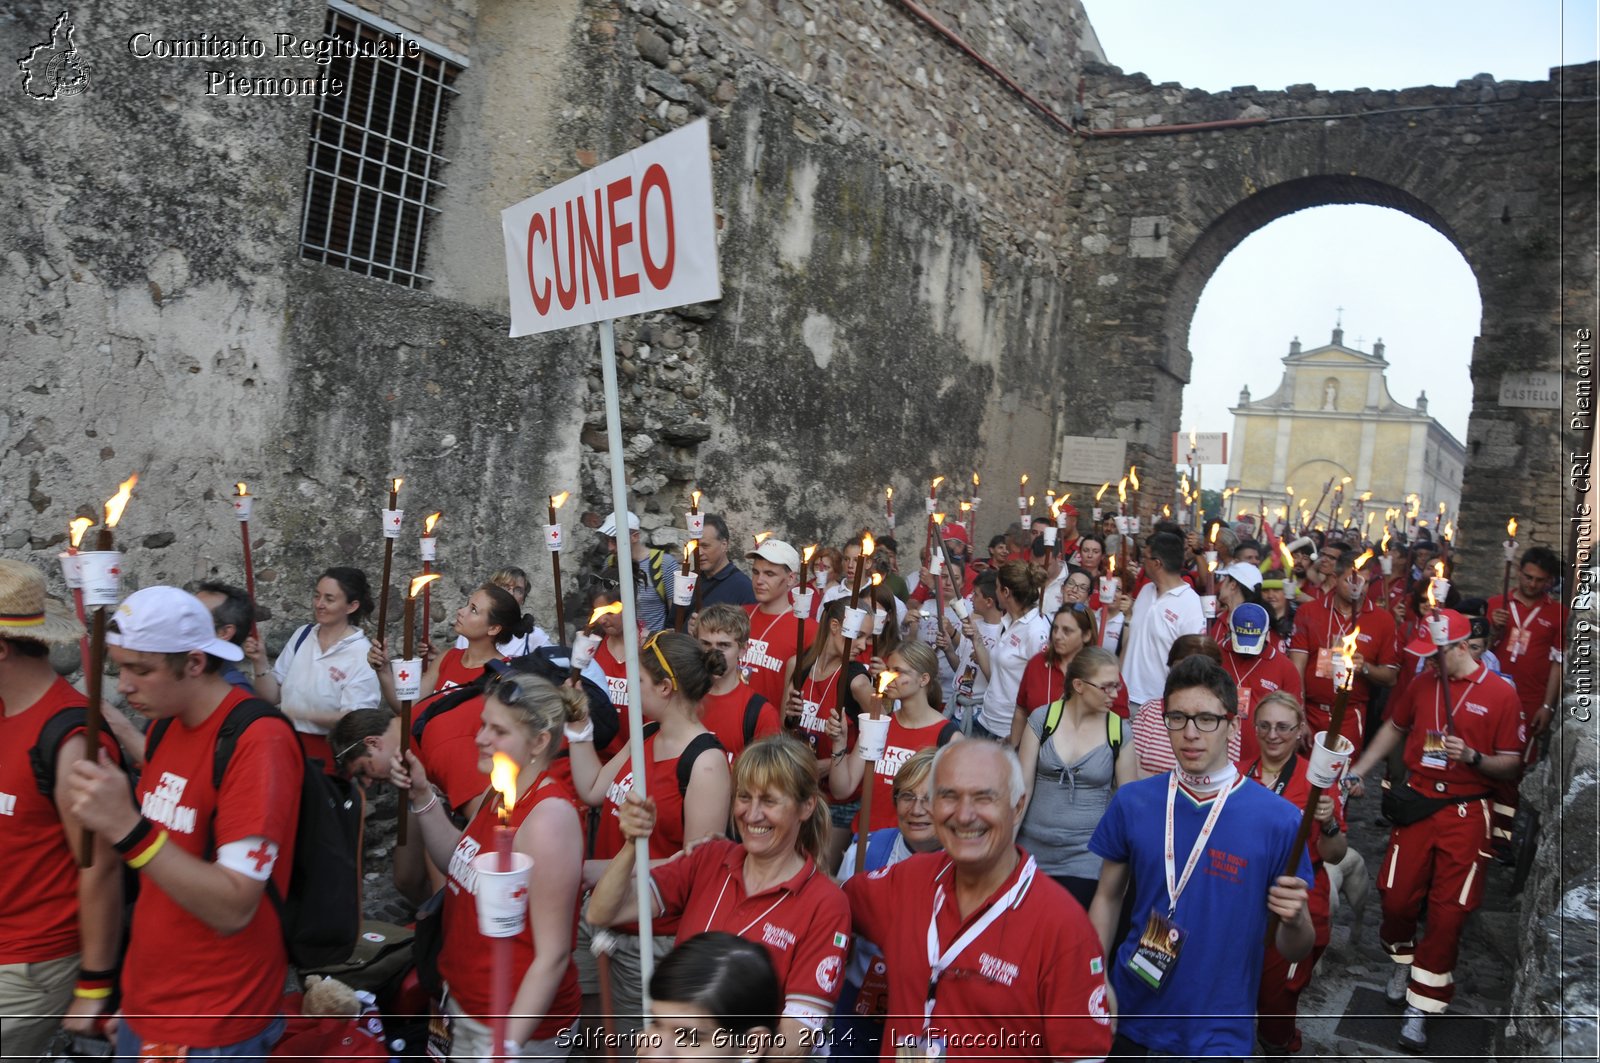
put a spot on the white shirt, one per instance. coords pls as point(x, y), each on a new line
point(1054, 592)
point(519, 646)
point(966, 666)
point(1157, 621)
point(1020, 640)
point(337, 680)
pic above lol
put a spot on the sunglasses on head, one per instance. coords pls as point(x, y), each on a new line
point(652, 646)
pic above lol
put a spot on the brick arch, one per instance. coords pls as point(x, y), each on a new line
point(1161, 199)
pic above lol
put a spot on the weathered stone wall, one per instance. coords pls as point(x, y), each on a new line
point(450, 23)
point(1481, 162)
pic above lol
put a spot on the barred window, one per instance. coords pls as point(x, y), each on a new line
point(374, 166)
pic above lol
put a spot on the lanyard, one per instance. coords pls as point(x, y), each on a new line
point(768, 629)
point(1333, 614)
point(1442, 708)
point(1175, 889)
point(1284, 774)
point(938, 961)
point(1519, 624)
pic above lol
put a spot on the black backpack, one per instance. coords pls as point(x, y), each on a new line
point(321, 914)
point(549, 662)
point(752, 715)
point(42, 757)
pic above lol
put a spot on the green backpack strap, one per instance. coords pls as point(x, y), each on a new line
point(658, 575)
point(1114, 734)
point(1052, 718)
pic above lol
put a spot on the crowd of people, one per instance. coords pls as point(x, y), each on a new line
point(1034, 803)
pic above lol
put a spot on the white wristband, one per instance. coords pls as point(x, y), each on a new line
point(580, 734)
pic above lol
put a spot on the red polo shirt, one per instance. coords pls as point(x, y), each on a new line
point(1483, 711)
point(774, 638)
point(804, 923)
point(1532, 639)
point(1031, 986)
point(1318, 626)
point(1256, 677)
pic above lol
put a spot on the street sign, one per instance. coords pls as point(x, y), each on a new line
point(1210, 448)
point(1091, 460)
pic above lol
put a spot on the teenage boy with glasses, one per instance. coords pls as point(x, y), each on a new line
point(1186, 979)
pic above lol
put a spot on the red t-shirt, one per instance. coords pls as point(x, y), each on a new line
point(1042, 683)
point(465, 958)
point(1532, 639)
point(185, 983)
point(39, 876)
point(1318, 627)
point(773, 641)
point(902, 743)
point(453, 672)
point(448, 750)
point(818, 699)
point(723, 716)
point(1256, 677)
point(1484, 712)
point(616, 671)
point(804, 923)
point(1031, 986)
point(1295, 787)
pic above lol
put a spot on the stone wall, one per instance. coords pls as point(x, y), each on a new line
point(450, 23)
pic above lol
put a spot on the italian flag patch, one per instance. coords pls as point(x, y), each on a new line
point(1095, 966)
point(840, 941)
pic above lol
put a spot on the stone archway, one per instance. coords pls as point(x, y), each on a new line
point(1173, 180)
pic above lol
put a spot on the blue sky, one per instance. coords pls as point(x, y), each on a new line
point(1396, 278)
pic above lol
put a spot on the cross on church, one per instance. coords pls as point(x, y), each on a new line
point(262, 855)
point(1338, 321)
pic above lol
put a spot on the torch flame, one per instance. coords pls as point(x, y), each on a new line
point(1024, 481)
point(884, 679)
point(867, 545)
point(888, 492)
point(974, 480)
point(1449, 529)
point(966, 507)
point(1214, 529)
point(1345, 480)
point(431, 522)
point(688, 551)
point(807, 554)
point(938, 518)
point(1103, 489)
point(1347, 646)
point(77, 527)
point(877, 578)
point(694, 499)
point(398, 480)
point(503, 777)
point(762, 537)
point(604, 610)
point(119, 501)
point(420, 582)
point(1194, 441)
point(240, 489)
point(557, 501)
point(1122, 489)
point(1289, 490)
point(1030, 500)
point(1438, 569)
point(1113, 560)
point(1384, 546)
point(1166, 510)
point(1433, 603)
point(937, 480)
point(1511, 528)
point(1133, 476)
point(1366, 496)
point(1363, 559)
point(1288, 558)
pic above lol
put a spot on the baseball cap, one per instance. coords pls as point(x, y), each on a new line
point(168, 620)
point(609, 528)
point(779, 553)
point(1249, 628)
point(1458, 628)
point(956, 530)
point(1243, 573)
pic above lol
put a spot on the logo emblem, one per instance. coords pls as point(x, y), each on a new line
point(828, 974)
point(54, 69)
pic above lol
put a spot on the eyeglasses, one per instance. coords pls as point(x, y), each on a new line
point(1265, 728)
point(1110, 690)
point(665, 667)
point(910, 799)
point(1203, 721)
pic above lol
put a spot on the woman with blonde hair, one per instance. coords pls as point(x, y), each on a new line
point(769, 888)
point(523, 718)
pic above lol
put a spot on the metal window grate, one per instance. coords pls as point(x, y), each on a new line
point(373, 168)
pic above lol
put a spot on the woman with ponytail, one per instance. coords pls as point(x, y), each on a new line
point(686, 776)
point(490, 615)
point(523, 717)
point(1023, 634)
point(769, 889)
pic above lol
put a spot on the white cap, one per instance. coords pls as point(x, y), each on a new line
point(609, 528)
point(779, 553)
point(168, 620)
point(1245, 574)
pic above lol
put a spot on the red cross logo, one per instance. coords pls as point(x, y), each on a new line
point(395, 520)
point(262, 855)
point(404, 675)
point(114, 570)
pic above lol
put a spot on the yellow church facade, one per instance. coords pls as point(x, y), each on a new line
point(1332, 418)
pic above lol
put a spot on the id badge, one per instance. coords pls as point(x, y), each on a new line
point(923, 1046)
point(1244, 704)
point(1433, 755)
point(1158, 950)
point(1325, 663)
point(1517, 641)
point(161, 1052)
point(439, 1037)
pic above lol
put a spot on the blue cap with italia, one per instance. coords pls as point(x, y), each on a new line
point(1249, 628)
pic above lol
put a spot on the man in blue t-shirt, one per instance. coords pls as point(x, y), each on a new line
point(1186, 978)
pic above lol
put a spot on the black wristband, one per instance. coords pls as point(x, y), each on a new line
point(1477, 757)
point(86, 975)
point(132, 839)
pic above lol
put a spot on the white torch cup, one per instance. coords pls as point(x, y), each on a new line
point(392, 520)
point(1340, 669)
point(879, 618)
point(874, 736)
point(407, 678)
point(963, 610)
point(854, 621)
point(242, 505)
point(1208, 605)
point(71, 569)
point(552, 538)
point(102, 577)
point(1328, 765)
point(696, 523)
point(936, 563)
point(1108, 589)
point(1441, 589)
point(502, 896)
point(683, 587)
point(802, 603)
point(583, 646)
point(1211, 558)
point(427, 549)
point(1439, 628)
point(1386, 565)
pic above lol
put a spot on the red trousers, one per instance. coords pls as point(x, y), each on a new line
point(1439, 862)
point(1282, 982)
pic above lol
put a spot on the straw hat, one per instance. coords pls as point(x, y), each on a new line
point(27, 612)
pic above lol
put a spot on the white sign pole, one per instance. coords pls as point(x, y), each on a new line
point(630, 642)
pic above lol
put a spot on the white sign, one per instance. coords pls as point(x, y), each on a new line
point(635, 234)
point(1210, 448)
point(1092, 460)
point(1532, 391)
